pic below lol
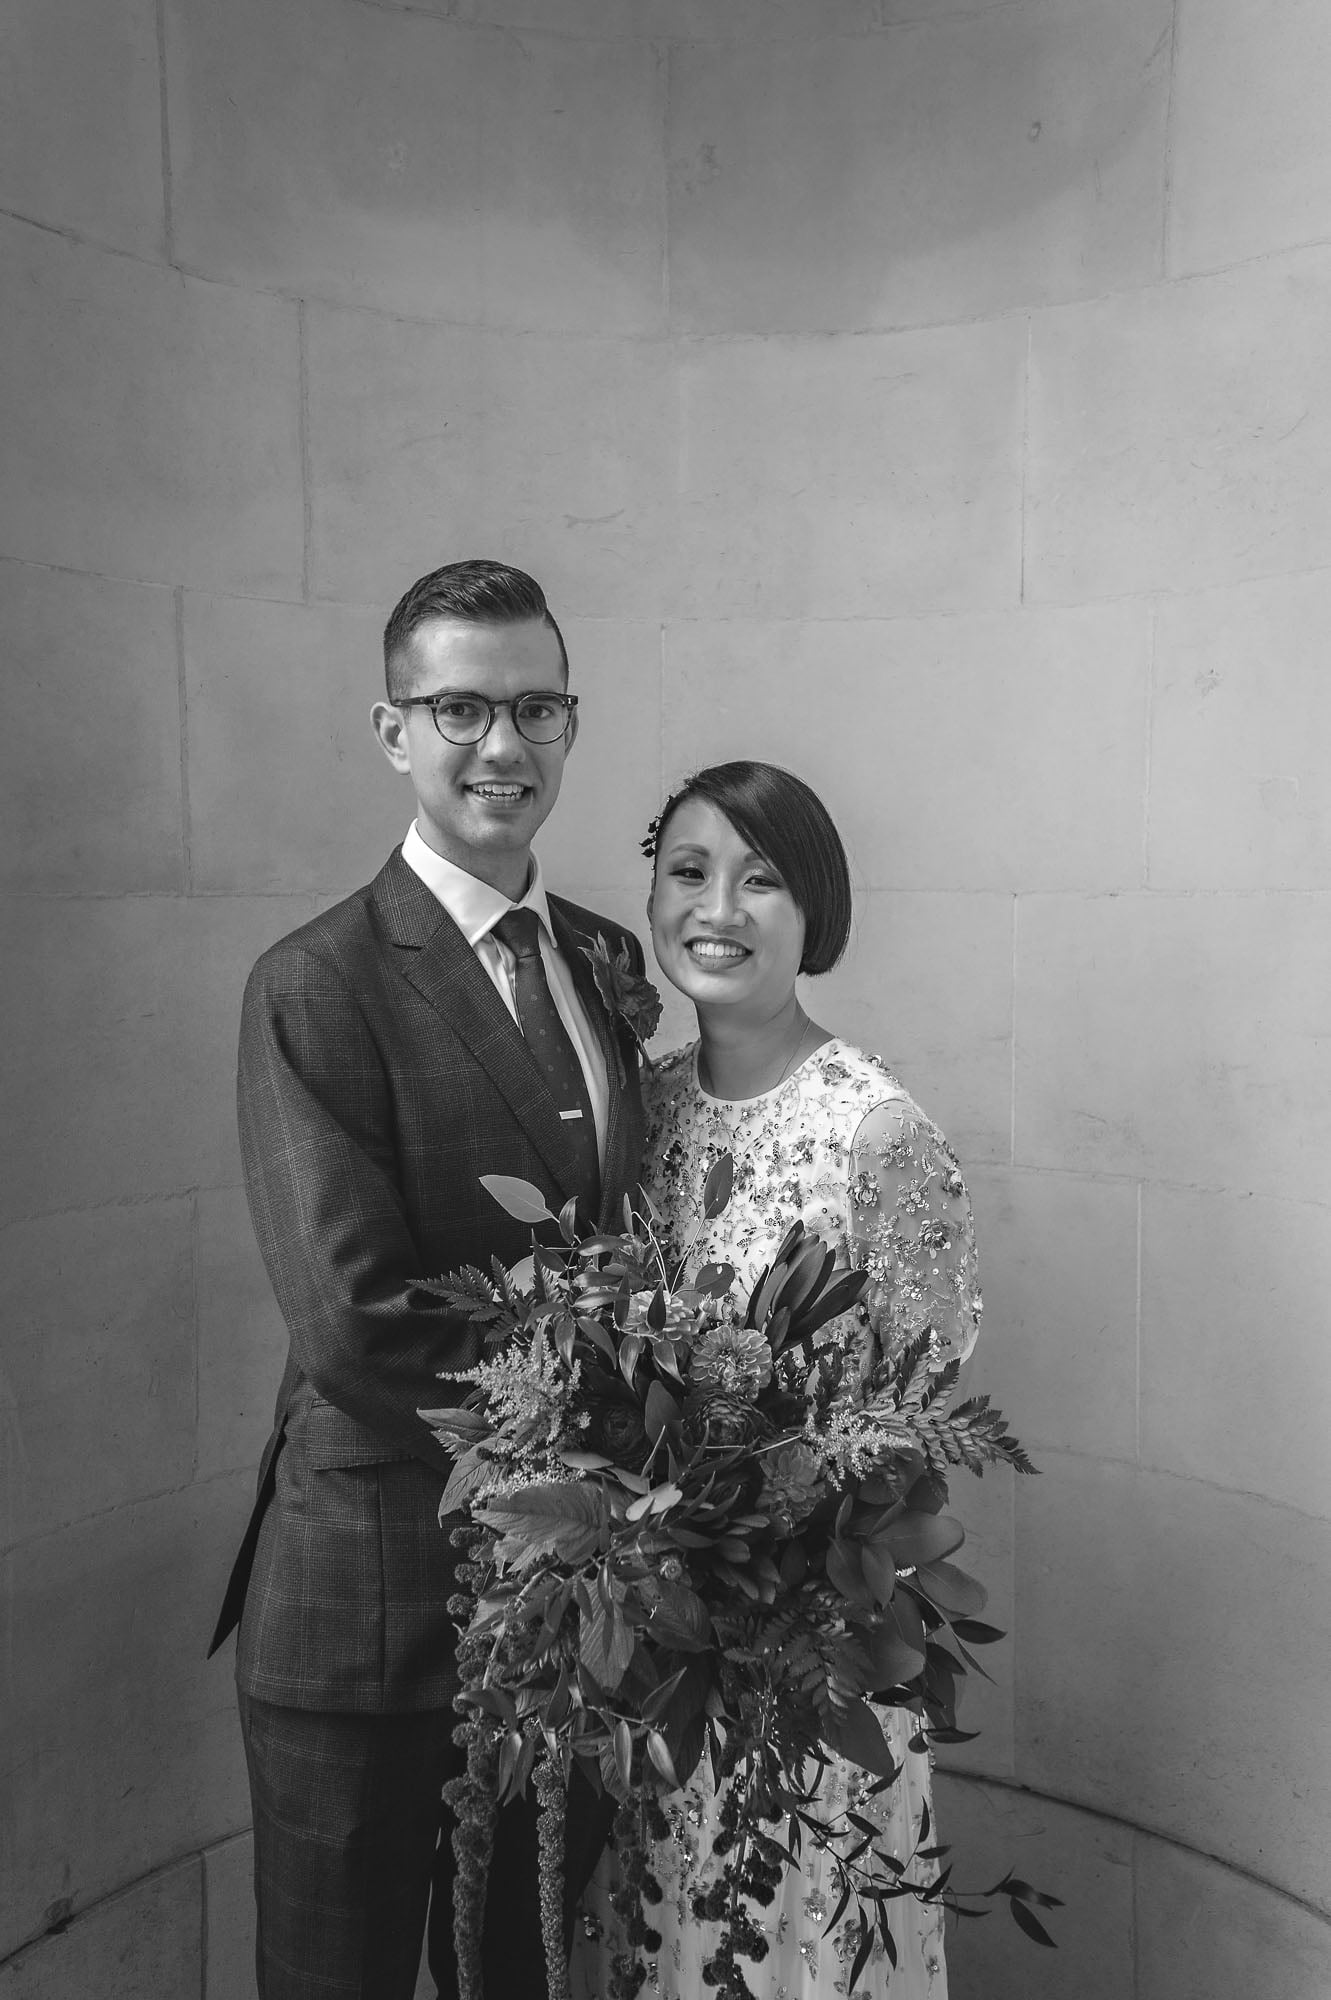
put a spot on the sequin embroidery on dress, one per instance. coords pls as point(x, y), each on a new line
point(840, 1146)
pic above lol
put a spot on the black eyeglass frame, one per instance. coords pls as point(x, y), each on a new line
point(568, 702)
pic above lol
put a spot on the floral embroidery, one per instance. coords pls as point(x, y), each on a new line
point(841, 1147)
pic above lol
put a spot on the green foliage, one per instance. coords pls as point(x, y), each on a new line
point(704, 1536)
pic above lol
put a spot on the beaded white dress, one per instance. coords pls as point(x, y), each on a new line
point(840, 1146)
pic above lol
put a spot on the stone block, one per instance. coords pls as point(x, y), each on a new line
point(678, 20)
point(1172, 1641)
point(1058, 1264)
point(288, 787)
point(99, 1363)
point(942, 171)
point(228, 1908)
point(1085, 1860)
point(391, 159)
point(81, 120)
point(888, 468)
point(1204, 1931)
point(90, 755)
point(1179, 436)
point(120, 1021)
point(1043, 713)
point(1250, 169)
point(152, 426)
point(1236, 1374)
point(611, 785)
point(428, 443)
point(1240, 788)
point(242, 1338)
point(1176, 1037)
point(927, 985)
point(125, 1745)
point(143, 1944)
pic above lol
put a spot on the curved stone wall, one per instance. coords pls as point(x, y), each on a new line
point(931, 396)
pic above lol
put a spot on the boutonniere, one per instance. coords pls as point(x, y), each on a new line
point(630, 999)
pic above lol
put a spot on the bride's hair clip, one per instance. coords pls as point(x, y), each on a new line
point(650, 838)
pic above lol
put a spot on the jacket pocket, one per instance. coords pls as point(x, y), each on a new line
point(335, 1442)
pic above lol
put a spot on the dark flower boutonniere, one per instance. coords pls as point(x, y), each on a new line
point(628, 996)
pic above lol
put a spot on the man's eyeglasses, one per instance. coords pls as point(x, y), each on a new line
point(462, 717)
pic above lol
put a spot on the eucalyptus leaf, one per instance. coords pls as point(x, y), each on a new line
point(717, 1186)
point(624, 1753)
point(951, 1589)
point(660, 1412)
point(521, 1200)
point(659, 1752)
point(854, 1732)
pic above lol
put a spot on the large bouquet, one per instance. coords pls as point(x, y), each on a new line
point(702, 1527)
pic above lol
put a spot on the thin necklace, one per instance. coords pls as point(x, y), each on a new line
point(706, 1081)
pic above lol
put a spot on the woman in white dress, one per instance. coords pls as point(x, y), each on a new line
point(750, 888)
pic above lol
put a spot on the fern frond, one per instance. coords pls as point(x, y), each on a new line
point(972, 1435)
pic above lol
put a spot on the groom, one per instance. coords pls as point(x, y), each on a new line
point(440, 1024)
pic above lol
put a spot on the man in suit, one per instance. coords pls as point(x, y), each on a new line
point(441, 1023)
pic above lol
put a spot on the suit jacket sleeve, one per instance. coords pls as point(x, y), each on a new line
point(317, 1146)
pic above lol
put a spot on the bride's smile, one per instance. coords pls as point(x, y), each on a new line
point(725, 927)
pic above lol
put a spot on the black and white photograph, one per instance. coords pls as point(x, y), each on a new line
point(666, 1182)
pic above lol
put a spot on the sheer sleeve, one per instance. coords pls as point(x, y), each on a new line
point(908, 1220)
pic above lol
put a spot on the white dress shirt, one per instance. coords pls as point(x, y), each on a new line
point(476, 908)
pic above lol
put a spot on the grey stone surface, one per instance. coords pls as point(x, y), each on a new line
point(889, 468)
point(94, 805)
point(1170, 1668)
point(1247, 1279)
point(331, 150)
point(1179, 434)
point(1086, 1861)
point(1178, 1037)
point(1204, 1931)
point(1240, 789)
point(944, 170)
point(126, 1010)
point(288, 786)
point(1058, 1260)
point(1250, 168)
point(100, 1367)
point(1043, 710)
point(153, 423)
point(130, 1748)
point(429, 441)
point(91, 160)
point(144, 1944)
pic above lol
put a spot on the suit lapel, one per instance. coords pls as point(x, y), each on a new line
point(437, 960)
point(623, 1138)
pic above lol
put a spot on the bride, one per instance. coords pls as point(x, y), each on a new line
point(750, 888)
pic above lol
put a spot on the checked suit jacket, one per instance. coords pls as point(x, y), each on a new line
point(380, 1075)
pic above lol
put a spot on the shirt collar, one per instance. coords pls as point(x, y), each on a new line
point(472, 904)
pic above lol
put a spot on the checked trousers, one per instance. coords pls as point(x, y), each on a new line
point(352, 1846)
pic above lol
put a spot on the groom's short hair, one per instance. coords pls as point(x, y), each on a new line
point(479, 592)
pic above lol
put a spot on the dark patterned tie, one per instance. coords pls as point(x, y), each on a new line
point(553, 1050)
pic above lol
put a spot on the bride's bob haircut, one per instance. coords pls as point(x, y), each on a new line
point(788, 824)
